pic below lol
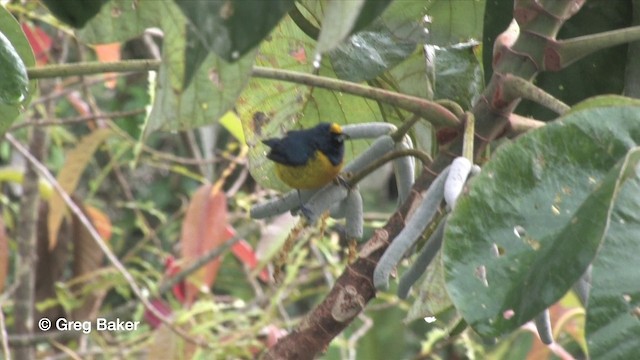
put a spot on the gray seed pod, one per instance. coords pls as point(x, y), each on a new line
point(322, 200)
point(404, 169)
point(338, 210)
point(354, 215)
point(381, 146)
point(583, 286)
point(460, 168)
point(423, 260)
point(411, 232)
point(543, 325)
point(368, 130)
point(287, 202)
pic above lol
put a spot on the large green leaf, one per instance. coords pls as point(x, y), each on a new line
point(269, 108)
point(339, 19)
point(215, 85)
point(371, 50)
point(612, 328)
point(74, 12)
point(544, 202)
point(432, 297)
point(228, 28)
point(368, 53)
point(453, 21)
point(15, 56)
point(14, 85)
point(458, 75)
point(232, 28)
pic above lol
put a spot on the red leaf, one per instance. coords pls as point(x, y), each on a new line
point(162, 308)
point(172, 268)
point(204, 228)
point(108, 53)
point(40, 43)
point(243, 251)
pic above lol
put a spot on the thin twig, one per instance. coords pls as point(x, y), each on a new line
point(377, 163)
point(429, 110)
point(4, 335)
point(44, 172)
point(367, 324)
point(199, 263)
point(90, 68)
point(77, 119)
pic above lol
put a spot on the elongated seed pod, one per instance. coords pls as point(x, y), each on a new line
point(423, 260)
point(354, 215)
point(322, 200)
point(583, 286)
point(404, 169)
point(475, 170)
point(411, 232)
point(460, 168)
point(338, 210)
point(543, 325)
point(287, 202)
point(380, 146)
point(368, 130)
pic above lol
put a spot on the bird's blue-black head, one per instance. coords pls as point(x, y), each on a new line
point(298, 146)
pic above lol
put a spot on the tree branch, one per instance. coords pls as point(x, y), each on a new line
point(429, 110)
point(350, 294)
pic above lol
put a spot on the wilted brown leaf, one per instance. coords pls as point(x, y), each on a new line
point(69, 176)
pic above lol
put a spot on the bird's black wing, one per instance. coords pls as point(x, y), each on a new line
point(295, 149)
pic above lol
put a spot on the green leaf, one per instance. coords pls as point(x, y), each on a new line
point(458, 75)
point(211, 94)
point(339, 19)
point(269, 107)
point(414, 76)
point(14, 85)
point(215, 85)
point(612, 328)
point(232, 28)
point(74, 12)
point(15, 56)
point(368, 53)
point(432, 297)
point(370, 11)
point(121, 20)
point(454, 21)
point(544, 202)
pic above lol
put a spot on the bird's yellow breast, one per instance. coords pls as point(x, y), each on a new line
point(316, 173)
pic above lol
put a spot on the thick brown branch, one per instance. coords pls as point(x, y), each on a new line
point(352, 291)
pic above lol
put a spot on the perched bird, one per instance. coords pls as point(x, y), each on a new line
point(310, 158)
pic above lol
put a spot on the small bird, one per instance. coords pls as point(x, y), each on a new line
point(308, 159)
